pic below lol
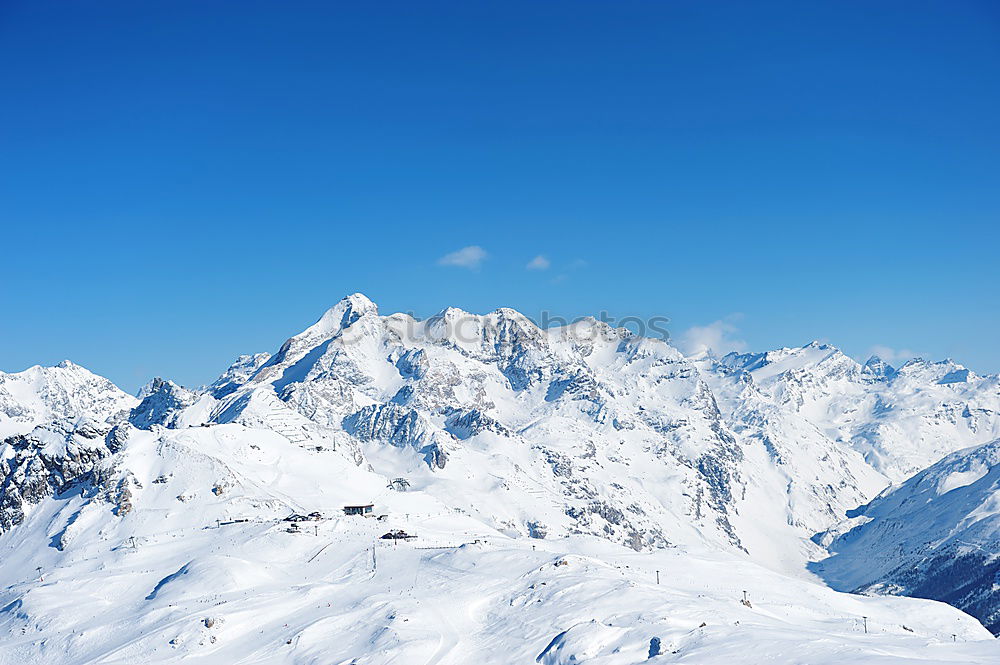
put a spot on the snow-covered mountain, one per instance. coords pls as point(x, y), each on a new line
point(574, 430)
point(165, 403)
point(564, 410)
point(53, 422)
point(937, 535)
point(196, 562)
point(582, 444)
point(837, 432)
point(900, 421)
point(66, 392)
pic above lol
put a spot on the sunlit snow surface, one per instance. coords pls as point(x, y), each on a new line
point(165, 583)
point(550, 475)
point(936, 535)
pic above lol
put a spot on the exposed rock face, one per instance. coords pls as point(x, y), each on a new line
point(583, 428)
point(457, 386)
point(238, 374)
point(400, 427)
point(163, 405)
point(53, 422)
point(45, 462)
point(465, 424)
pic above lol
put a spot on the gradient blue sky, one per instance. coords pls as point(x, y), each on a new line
point(182, 182)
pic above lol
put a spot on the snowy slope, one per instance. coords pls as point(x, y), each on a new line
point(53, 424)
point(586, 429)
point(900, 421)
point(66, 392)
point(161, 516)
point(165, 572)
point(577, 430)
point(165, 403)
point(937, 535)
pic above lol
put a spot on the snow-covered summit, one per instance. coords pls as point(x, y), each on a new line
point(494, 394)
point(899, 420)
point(65, 391)
point(167, 404)
point(530, 453)
point(340, 316)
point(878, 369)
point(581, 398)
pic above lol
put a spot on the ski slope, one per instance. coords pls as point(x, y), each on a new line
point(165, 582)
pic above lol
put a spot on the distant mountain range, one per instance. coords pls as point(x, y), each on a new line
point(583, 433)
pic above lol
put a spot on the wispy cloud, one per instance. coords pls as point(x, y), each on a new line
point(574, 265)
point(893, 356)
point(719, 337)
point(538, 263)
point(470, 257)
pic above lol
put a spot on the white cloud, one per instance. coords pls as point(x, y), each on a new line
point(717, 337)
point(893, 356)
point(538, 263)
point(470, 257)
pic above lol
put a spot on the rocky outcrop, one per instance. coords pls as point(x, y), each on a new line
point(163, 405)
point(400, 427)
point(238, 374)
point(46, 462)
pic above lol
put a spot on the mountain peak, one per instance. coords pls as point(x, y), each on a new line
point(66, 391)
point(508, 313)
point(358, 300)
point(449, 314)
point(161, 404)
point(875, 366)
point(150, 387)
point(480, 427)
point(342, 315)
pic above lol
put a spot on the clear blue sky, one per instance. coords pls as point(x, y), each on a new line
point(181, 182)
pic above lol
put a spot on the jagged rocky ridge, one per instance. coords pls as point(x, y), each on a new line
point(583, 429)
point(557, 410)
point(54, 422)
